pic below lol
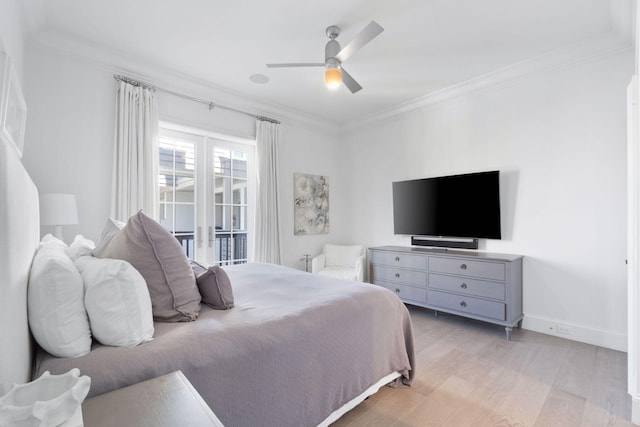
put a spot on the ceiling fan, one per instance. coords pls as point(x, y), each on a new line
point(334, 56)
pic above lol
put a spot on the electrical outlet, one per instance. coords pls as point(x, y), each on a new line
point(564, 329)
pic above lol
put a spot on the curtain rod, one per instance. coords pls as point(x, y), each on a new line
point(190, 98)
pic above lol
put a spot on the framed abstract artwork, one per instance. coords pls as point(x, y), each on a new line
point(311, 204)
point(13, 109)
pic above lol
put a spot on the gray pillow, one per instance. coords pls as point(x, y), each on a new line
point(214, 286)
point(159, 258)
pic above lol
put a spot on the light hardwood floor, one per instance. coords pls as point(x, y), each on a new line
point(467, 374)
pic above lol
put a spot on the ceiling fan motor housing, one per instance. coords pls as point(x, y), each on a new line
point(330, 52)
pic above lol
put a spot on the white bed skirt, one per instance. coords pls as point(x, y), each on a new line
point(335, 415)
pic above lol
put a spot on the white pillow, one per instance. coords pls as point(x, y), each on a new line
point(110, 229)
point(81, 246)
point(53, 240)
point(117, 301)
point(55, 302)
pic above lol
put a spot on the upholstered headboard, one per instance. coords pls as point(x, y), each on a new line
point(19, 236)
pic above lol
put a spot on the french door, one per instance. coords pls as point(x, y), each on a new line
point(206, 194)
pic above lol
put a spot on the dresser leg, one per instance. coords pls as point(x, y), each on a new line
point(508, 330)
point(436, 312)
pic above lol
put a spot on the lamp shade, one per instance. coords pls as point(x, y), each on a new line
point(58, 209)
point(332, 77)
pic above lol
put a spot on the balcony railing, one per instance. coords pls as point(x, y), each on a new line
point(186, 240)
point(229, 248)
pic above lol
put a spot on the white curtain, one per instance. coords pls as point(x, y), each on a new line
point(135, 161)
point(267, 229)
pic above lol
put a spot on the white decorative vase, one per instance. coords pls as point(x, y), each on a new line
point(49, 401)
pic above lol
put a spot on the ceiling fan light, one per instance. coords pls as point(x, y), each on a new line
point(332, 78)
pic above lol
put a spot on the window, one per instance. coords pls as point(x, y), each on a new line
point(206, 189)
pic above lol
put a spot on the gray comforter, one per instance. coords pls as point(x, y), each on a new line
point(294, 348)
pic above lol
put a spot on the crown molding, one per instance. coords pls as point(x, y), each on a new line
point(584, 51)
point(147, 71)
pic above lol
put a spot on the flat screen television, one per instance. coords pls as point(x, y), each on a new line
point(463, 206)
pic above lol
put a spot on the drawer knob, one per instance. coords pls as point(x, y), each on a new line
point(463, 304)
point(397, 259)
point(397, 275)
point(463, 286)
point(397, 291)
point(463, 266)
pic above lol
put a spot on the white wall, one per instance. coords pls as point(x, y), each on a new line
point(12, 33)
point(559, 140)
point(69, 141)
point(304, 151)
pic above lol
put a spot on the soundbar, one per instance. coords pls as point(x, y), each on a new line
point(438, 242)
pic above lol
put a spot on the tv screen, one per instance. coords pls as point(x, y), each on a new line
point(465, 206)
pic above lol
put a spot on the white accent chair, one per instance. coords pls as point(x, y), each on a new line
point(339, 261)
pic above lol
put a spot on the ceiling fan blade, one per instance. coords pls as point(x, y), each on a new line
point(297, 64)
point(350, 82)
point(365, 36)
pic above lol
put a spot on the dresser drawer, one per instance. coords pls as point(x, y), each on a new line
point(397, 259)
point(468, 286)
point(468, 268)
point(466, 304)
point(390, 274)
point(406, 293)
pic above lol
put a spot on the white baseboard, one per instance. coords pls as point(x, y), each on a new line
point(599, 337)
point(635, 409)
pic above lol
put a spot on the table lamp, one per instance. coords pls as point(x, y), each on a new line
point(58, 209)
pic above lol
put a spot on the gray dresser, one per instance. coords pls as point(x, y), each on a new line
point(479, 285)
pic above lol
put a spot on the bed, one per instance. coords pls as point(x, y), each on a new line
point(296, 349)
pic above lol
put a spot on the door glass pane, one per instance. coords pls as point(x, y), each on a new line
point(225, 186)
point(165, 196)
point(239, 164)
point(223, 218)
point(220, 195)
point(185, 215)
point(166, 216)
point(177, 190)
point(184, 191)
point(222, 162)
point(239, 191)
point(240, 218)
point(166, 156)
point(218, 190)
